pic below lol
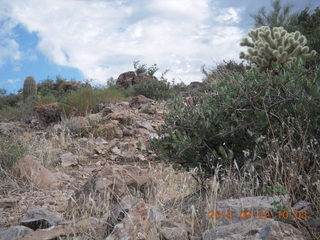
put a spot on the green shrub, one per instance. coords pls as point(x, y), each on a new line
point(87, 100)
point(222, 70)
point(142, 68)
point(153, 88)
point(10, 152)
point(11, 100)
point(8, 113)
point(230, 122)
point(79, 102)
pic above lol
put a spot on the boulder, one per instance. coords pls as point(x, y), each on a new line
point(126, 79)
point(39, 218)
point(29, 170)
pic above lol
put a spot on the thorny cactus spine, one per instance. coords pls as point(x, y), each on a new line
point(29, 87)
point(274, 45)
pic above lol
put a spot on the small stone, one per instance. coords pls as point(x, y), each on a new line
point(69, 159)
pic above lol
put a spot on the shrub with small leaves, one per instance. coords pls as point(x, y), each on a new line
point(229, 123)
point(153, 88)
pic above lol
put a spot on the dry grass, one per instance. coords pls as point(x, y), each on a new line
point(295, 169)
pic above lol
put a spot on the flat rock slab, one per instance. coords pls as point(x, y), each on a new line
point(16, 232)
point(39, 218)
point(69, 159)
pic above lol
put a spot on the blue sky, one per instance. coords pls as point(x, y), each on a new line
point(99, 39)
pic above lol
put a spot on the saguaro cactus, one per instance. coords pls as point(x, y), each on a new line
point(29, 87)
point(274, 45)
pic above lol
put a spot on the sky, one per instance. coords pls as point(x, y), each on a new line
point(98, 39)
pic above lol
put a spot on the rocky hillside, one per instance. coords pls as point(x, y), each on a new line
point(94, 177)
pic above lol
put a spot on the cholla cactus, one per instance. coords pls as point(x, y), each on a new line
point(274, 45)
point(29, 87)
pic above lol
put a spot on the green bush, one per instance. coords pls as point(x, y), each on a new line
point(10, 152)
point(222, 70)
point(8, 113)
point(242, 111)
point(11, 100)
point(79, 102)
point(153, 88)
point(86, 100)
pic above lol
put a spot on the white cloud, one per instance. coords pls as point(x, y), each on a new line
point(103, 38)
point(12, 81)
point(9, 48)
point(229, 15)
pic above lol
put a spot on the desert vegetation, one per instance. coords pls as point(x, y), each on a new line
point(164, 158)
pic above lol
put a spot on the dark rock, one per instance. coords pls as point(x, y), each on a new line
point(126, 79)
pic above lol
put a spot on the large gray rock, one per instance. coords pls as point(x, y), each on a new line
point(256, 229)
point(14, 233)
point(39, 218)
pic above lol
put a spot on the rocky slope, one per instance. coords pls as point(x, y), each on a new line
point(94, 178)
